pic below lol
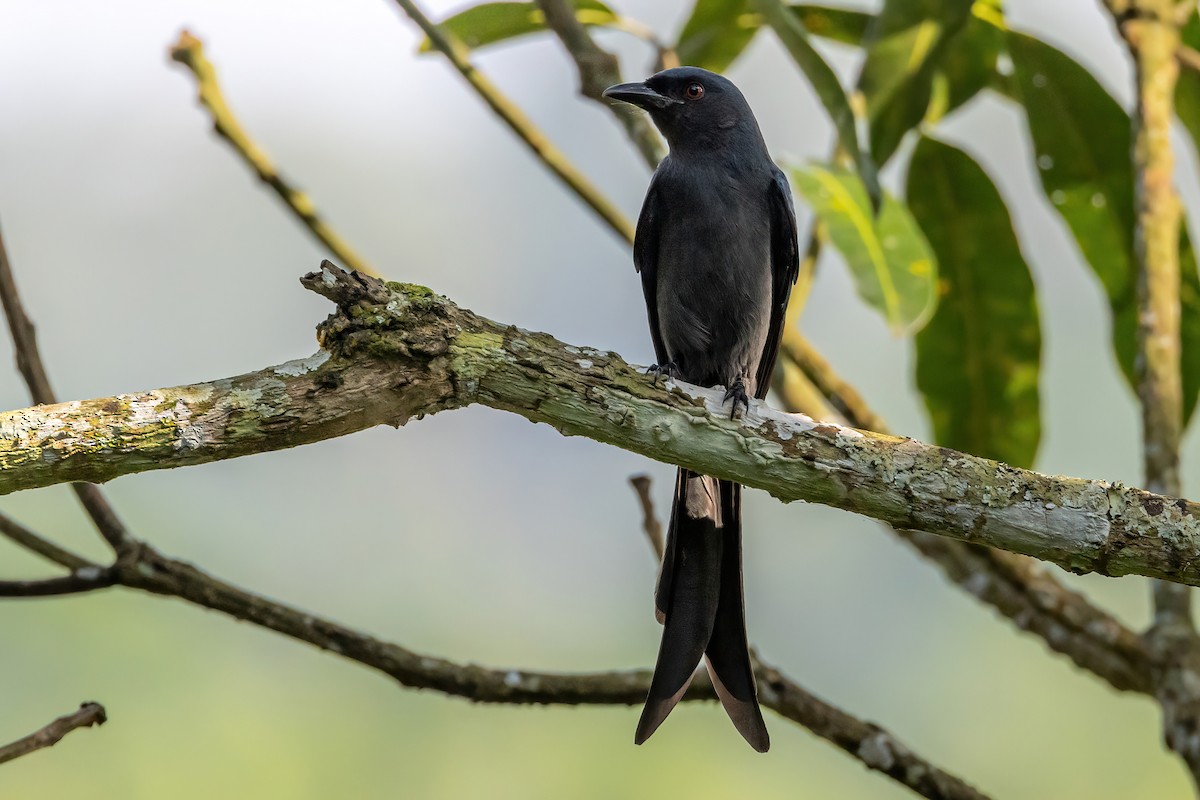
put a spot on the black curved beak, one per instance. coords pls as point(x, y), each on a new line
point(640, 95)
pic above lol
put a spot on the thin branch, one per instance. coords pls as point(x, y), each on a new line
point(598, 69)
point(189, 51)
point(155, 573)
point(84, 579)
point(29, 362)
point(88, 714)
point(650, 524)
point(459, 56)
point(398, 351)
point(24, 335)
point(19, 534)
point(1151, 30)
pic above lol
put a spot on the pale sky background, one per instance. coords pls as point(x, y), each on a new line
point(150, 256)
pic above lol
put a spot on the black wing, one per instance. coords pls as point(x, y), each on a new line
point(645, 259)
point(785, 266)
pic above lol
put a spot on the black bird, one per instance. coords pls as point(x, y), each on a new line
point(716, 248)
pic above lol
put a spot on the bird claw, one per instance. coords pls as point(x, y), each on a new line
point(669, 369)
point(738, 393)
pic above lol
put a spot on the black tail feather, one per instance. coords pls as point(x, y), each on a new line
point(699, 599)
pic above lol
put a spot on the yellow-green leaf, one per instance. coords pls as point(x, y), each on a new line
point(489, 23)
point(893, 268)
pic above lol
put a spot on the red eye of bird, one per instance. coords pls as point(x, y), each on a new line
point(694, 91)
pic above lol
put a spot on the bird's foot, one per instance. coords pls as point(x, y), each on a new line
point(737, 393)
point(669, 370)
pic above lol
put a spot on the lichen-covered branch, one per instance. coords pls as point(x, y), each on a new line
point(88, 714)
point(397, 351)
point(189, 51)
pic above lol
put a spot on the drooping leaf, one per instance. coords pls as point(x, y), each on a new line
point(893, 268)
point(978, 358)
point(1082, 142)
point(828, 88)
point(904, 46)
point(489, 23)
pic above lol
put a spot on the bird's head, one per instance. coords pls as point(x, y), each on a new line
point(694, 108)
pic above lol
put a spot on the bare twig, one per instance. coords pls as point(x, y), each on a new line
point(29, 362)
point(189, 51)
point(24, 335)
point(155, 573)
point(598, 69)
point(84, 579)
point(88, 714)
point(19, 534)
point(650, 524)
point(558, 163)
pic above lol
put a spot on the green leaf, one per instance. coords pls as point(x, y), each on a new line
point(716, 33)
point(828, 88)
point(978, 358)
point(1082, 143)
point(836, 24)
point(904, 49)
point(488, 23)
point(892, 265)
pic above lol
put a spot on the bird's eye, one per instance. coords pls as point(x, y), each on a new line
point(694, 91)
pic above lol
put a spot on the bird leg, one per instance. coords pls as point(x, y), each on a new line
point(738, 392)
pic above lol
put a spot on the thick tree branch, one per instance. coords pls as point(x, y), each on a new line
point(88, 714)
point(398, 351)
point(189, 51)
